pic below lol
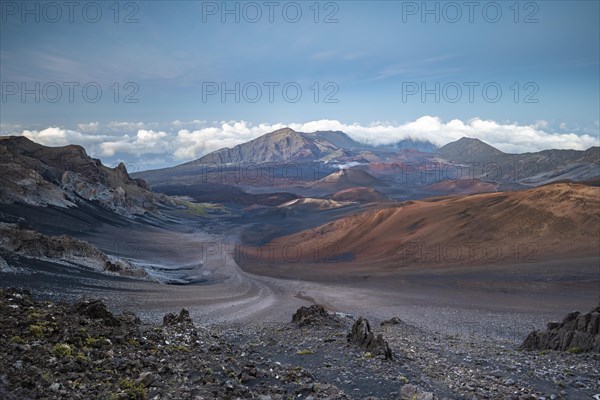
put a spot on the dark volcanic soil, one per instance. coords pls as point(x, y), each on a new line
point(82, 351)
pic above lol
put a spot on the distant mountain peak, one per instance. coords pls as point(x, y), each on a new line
point(279, 132)
point(468, 149)
point(284, 145)
point(468, 141)
point(354, 176)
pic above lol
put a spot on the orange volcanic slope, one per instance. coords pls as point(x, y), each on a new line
point(360, 195)
point(463, 186)
point(553, 221)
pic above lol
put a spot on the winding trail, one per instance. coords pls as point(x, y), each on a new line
point(501, 301)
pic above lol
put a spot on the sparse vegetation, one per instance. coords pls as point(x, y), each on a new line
point(201, 209)
point(93, 358)
point(62, 350)
point(36, 331)
point(17, 340)
point(133, 390)
point(183, 348)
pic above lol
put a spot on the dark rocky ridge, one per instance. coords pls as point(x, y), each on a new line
point(491, 164)
point(83, 351)
point(576, 333)
point(363, 335)
point(65, 176)
point(61, 249)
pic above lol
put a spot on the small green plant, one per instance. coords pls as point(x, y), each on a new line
point(403, 379)
point(178, 347)
point(133, 390)
point(304, 352)
point(575, 350)
point(17, 340)
point(95, 342)
point(36, 331)
point(62, 350)
point(82, 358)
point(133, 342)
point(35, 315)
point(368, 354)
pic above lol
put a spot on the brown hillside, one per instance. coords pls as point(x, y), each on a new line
point(552, 221)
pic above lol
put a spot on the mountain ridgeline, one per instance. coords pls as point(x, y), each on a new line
point(322, 153)
point(540, 167)
point(286, 145)
point(66, 177)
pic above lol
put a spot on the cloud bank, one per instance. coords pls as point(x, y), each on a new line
point(158, 145)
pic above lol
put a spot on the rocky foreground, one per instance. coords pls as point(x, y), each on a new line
point(82, 351)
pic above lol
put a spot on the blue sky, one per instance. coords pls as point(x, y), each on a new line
point(544, 58)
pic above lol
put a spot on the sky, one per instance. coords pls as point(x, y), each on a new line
point(156, 83)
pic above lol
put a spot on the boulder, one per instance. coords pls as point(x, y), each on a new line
point(313, 315)
point(96, 309)
point(362, 335)
point(576, 333)
point(182, 319)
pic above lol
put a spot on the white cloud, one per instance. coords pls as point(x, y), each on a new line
point(129, 127)
point(55, 136)
point(194, 124)
point(511, 137)
point(89, 127)
point(191, 144)
point(144, 142)
point(179, 141)
point(6, 129)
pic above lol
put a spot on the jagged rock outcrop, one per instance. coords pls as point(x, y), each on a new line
point(96, 309)
point(118, 199)
point(66, 176)
point(576, 333)
point(32, 244)
point(313, 315)
point(362, 335)
point(182, 319)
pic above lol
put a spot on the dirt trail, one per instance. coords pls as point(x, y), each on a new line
point(499, 301)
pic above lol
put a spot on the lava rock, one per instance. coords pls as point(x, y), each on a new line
point(312, 315)
point(576, 333)
point(96, 309)
point(362, 335)
point(182, 319)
